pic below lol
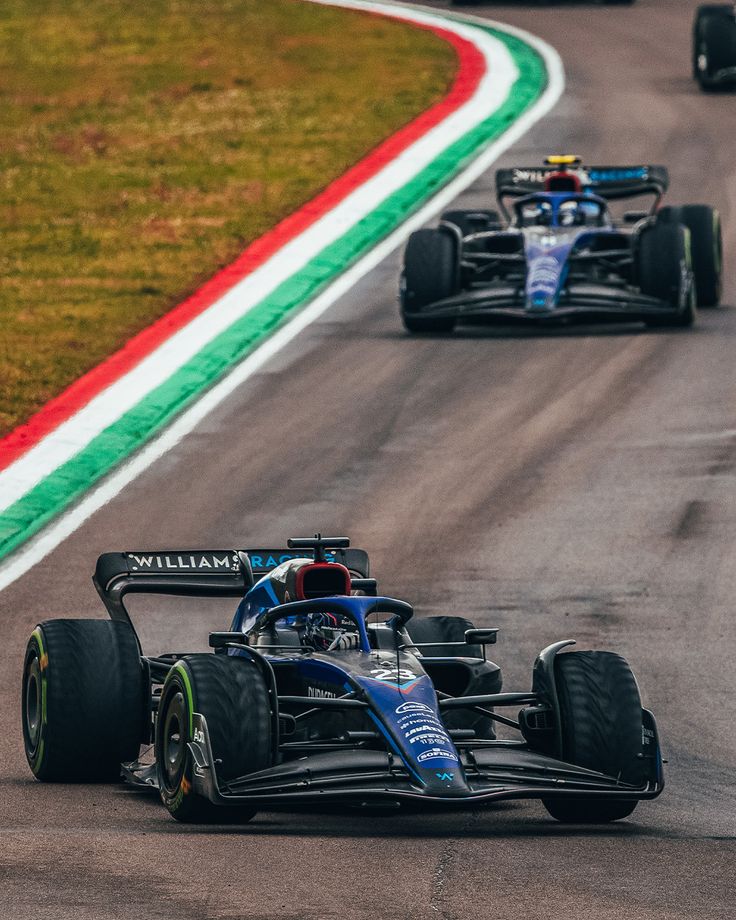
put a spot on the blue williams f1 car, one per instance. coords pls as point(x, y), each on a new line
point(322, 691)
point(558, 254)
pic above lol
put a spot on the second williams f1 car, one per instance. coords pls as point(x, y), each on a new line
point(558, 254)
point(322, 691)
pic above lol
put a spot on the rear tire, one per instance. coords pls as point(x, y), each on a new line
point(663, 263)
point(431, 273)
point(231, 694)
point(601, 722)
point(85, 698)
point(704, 224)
point(714, 44)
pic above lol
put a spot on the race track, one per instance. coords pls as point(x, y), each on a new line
point(573, 484)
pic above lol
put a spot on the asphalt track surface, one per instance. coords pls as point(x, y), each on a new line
point(577, 484)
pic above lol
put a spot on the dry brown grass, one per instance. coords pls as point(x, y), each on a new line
point(145, 143)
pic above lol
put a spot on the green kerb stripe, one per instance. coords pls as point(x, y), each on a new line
point(67, 483)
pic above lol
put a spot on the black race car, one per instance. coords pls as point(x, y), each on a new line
point(558, 253)
point(714, 46)
point(322, 691)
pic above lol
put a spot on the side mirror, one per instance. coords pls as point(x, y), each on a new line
point(220, 640)
point(367, 586)
point(481, 636)
point(633, 217)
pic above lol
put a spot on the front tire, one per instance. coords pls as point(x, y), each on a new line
point(664, 270)
point(601, 723)
point(231, 694)
point(704, 224)
point(85, 698)
point(431, 273)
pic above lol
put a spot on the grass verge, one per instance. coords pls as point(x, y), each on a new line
point(146, 144)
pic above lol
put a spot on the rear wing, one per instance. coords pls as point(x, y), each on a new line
point(263, 560)
point(199, 573)
point(610, 182)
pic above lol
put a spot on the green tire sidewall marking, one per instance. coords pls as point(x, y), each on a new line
point(157, 409)
point(37, 637)
point(180, 670)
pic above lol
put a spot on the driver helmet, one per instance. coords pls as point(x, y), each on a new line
point(571, 214)
point(538, 213)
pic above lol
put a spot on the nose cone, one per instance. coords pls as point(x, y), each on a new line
point(407, 713)
point(542, 284)
point(541, 303)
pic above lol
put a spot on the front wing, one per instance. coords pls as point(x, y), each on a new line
point(583, 302)
point(492, 770)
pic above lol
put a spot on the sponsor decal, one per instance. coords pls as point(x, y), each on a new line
point(264, 561)
point(420, 726)
point(317, 693)
point(438, 737)
point(413, 707)
point(538, 176)
point(406, 723)
point(619, 175)
point(524, 176)
point(199, 735)
point(544, 275)
point(447, 776)
point(201, 562)
point(436, 754)
point(389, 672)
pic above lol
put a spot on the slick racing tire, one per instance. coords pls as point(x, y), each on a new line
point(601, 723)
point(431, 273)
point(232, 695)
point(714, 44)
point(664, 267)
point(85, 700)
point(701, 14)
point(704, 224)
